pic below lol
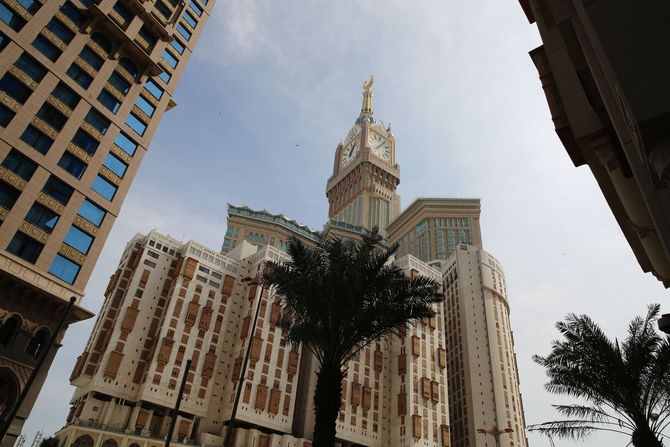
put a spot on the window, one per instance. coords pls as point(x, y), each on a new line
point(108, 100)
point(70, 10)
point(31, 6)
point(154, 89)
point(183, 31)
point(119, 83)
point(96, 120)
point(115, 165)
point(14, 88)
point(145, 105)
point(130, 67)
point(85, 141)
point(125, 143)
point(4, 40)
point(136, 124)
point(79, 76)
point(125, 14)
point(103, 42)
point(63, 268)
point(58, 190)
point(72, 164)
point(8, 195)
point(165, 76)
point(12, 19)
point(42, 217)
point(195, 8)
point(25, 247)
point(163, 9)
point(6, 115)
point(45, 47)
point(190, 19)
point(104, 188)
point(92, 212)
point(36, 139)
point(61, 31)
point(178, 46)
point(78, 240)
point(66, 95)
point(37, 343)
point(148, 36)
point(91, 58)
point(52, 116)
point(31, 67)
point(169, 59)
point(19, 164)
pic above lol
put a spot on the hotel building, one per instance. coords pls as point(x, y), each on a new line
point(83, 86)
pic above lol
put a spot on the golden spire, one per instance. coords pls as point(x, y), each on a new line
point(367, 96)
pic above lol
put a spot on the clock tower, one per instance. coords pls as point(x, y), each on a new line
point(362, 189)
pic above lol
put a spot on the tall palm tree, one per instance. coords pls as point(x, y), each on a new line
point(625, 385)
point(337, 299)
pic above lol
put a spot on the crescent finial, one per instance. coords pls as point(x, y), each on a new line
point(367, 85)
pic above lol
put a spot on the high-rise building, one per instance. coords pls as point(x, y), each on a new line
point(607, 92)
point(83, 86)
point(483, 379)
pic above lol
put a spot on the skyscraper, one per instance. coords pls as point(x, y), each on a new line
point(83, 86)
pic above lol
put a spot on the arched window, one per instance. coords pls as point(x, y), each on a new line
point(103, 41)
point(9, 329)
point(83, 441)
point(9, 391)
point(130, 68)
point(37, 343)
point(110, 443)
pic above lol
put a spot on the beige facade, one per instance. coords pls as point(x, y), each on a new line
point(603, 72)
point(482, 369)
point(83, 86)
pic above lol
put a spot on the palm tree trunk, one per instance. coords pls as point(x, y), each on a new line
point(327, 402)
point(644, 437)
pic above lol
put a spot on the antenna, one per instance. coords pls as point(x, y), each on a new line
point(37, 439)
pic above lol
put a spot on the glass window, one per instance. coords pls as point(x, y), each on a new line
point(36, 139)
point(148, 36)
point(45, 47)
point(119, 83)
point(136, 124)
point(57, 189)
point(96, 120)
point(6, 115)
point(52, 116)
point(42, 217)
point(8, 195)
point(125, 143)
point(123, 11)
point(165, 76)
point(85, 141)
point(31, 6)
point(78, 240)
point(70, 10)
point(178, 46)
point(104, 188)
point(91, 57)
point(108, 100)
point(61, 31)
point(4, 40)
point(195, 8)
point(103, 42)
point(92, 212)
point(72, 165)
point(12, 19)
point(169, 59)
point(31, 67)
point(25, 247)
point(130, 67)
point(19, 164)
point(63, 268)
point(66, 95)
point(163, 9)
point(190, 19)
point(15, 88)
point(79, 76)
point(186, 34)
point(154, 89)
point(115, 165)
point(145, 105)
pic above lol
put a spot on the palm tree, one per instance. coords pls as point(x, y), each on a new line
point(337, 299)
point(625, 385)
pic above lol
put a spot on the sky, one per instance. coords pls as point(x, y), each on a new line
point(274, 85)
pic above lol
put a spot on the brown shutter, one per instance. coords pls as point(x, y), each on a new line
point(442, 357)
point(205, 318)
point(292, 367)
point(402, 363)
point(244, 330)
point(237, 366)
point(252, 292)
point(165, 351)
point(113, 363)
point(184, 427)
point(355, 394)
point(367, 397)
point(275, 395)
point(261, 397)
point(189, 269)
point(256, 345)
point(435, 391)
point(425, 388)
point(143, 280)
point(208, 367)
point(416, 426)
point(129, 319)
point(79, 366)
point(264, 441)
point(445, 435)
point(142, 418)
point(275, 313)
point(227, 287)
point(402, 404)
point(378, 361)
point(416, 345)
point(139, 372)
point(192, 313)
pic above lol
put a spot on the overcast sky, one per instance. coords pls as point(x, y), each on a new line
point(274, 85)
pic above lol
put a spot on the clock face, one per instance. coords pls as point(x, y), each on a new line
point(350, 151)
point(380, 146)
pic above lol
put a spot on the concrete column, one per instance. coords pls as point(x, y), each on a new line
point(132, 420)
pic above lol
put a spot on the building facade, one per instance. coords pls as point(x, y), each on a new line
point(606, 88)
point(483, 375)
point(83, 86)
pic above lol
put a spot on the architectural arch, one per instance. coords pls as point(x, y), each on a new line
point(83, 441)
point(9, 390)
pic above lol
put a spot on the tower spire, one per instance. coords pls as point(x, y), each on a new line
point(366, 108)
